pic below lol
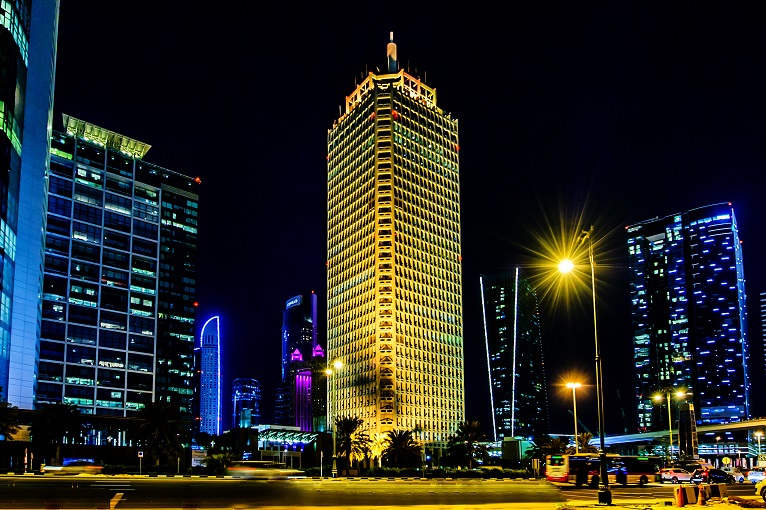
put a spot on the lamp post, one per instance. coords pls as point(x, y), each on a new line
point(336, 365)
point(604, 493)
point(758, 435)
point(574, 386)
point(658, 398)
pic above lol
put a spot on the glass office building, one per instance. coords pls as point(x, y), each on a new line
point(28, 39)
point(394, 275)
point(687, 289)
point(118, 306)
point(514, 355)
point(294, 399)
point(246, 403)
point(210, 377)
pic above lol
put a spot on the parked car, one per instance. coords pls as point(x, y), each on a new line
point(755, 475)
point(737, 473)
point(675, 475)
point(760, 489)
point(711, 476)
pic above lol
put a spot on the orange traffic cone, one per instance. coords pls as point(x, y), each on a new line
point(680, 496)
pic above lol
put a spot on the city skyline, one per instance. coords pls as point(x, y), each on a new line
point(601, 115)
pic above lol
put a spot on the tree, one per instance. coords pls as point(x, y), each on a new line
point(466, 444)
point(583, 441)
point(377, 446)
point(53, 422)
point(349, 441)
point(218, 463)
point(8, 416)
point(401, 449)
point(160, 430)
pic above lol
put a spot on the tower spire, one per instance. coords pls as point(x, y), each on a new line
point(393, 63)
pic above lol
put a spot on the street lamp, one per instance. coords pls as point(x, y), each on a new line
point(574, 386)
point(658, 398)
point(604, 494)
point(759, 435)
point(336, 365)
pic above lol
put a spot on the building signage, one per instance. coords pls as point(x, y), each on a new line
point(294, 301)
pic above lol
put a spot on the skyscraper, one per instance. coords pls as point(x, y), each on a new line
point(246, 403)
point(28, 40)
point(394, 276)
point(210, 377)
point(118, 296)
point(687, 289)
point(514, 355)
point(294, 405)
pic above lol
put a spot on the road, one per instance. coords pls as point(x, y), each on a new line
point(124, 492)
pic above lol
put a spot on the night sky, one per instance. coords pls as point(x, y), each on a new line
point(569, 112)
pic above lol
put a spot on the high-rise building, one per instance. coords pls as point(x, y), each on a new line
point(514, 355)
point(118, 302)
point(687, 289)
point(246, 403)
point(210, 377)
point(294, 402)
point(394, 275)
point(28, 40)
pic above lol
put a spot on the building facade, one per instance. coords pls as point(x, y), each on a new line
point(210, 377)
point(514, 355)
point(28, 38)
point(687, 289)
point(394, 270)
point(246, 403)
point(118, 301)
point(294, 401)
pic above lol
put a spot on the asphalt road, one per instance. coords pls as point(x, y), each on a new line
point(125, 492)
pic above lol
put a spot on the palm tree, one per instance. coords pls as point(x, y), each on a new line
point(584, 440)
point(8, 415)
point(350, 442)
point(377, 446)
point(466, 442)
point(402, 450)
point(53, 423)
point(218, 463)
point(160, 429)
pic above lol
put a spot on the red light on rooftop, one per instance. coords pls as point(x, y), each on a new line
point(197, 180)
point(195, 304)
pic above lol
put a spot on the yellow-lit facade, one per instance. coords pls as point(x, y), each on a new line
point(394, 275)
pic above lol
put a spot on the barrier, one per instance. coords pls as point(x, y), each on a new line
point(717, 490)
point(685, 495)
point(703, 493)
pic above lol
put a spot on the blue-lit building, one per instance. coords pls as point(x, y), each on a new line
point(294, 399)
point(514, 355)
point(210, 377)
point(246, 403)
point(28, 35)
point(687, 290)
point(118, 299)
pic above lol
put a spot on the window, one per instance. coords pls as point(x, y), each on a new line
point(81, 335)
point(140, 362)
point(111, 378)
point(52, 351)
point(60, 206)
point(85, 232)
point(114, 321)
point(112, 340)
point(84, 251)
point(55, 244)
point(87, 213)
point(111, 359)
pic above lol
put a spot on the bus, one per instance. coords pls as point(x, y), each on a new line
point(585, 469)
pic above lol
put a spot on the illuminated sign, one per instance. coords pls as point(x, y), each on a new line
point(295, 301)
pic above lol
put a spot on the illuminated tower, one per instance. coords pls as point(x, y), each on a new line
point(514, 355)
point(394, 276)
point(28, 35)
point(118, 301)
point(246, 403)
point(689, 315)
point(210, 377)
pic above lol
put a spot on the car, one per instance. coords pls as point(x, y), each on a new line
point(738, 475)
point(755, 475)
point(74, 468)
point(711, 476)
point(675, 475)
point(760, 489)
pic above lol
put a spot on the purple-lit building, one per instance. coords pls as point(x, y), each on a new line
point(296, 403)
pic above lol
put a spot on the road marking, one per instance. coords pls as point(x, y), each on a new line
point(116, 499)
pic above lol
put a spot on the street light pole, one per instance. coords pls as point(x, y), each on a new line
point(574, 386)
point(337, 364)
point(758, 435)
point(604, 494)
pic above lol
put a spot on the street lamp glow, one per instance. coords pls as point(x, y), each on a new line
point(566, 266)
point(659, 398)
point(574, 386)
point(759, 434)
